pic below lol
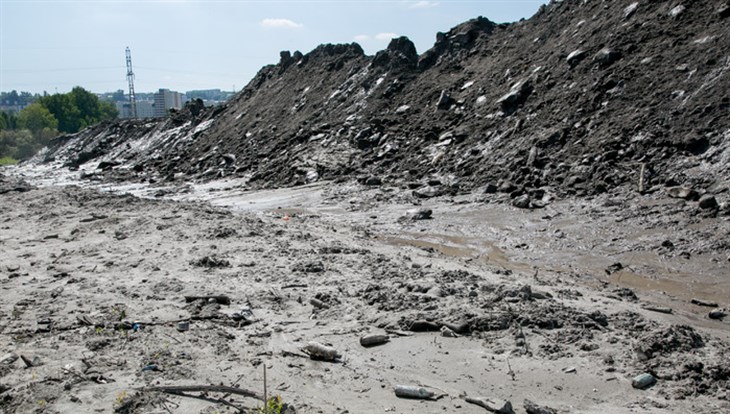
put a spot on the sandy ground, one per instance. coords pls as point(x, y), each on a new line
point(94, 284)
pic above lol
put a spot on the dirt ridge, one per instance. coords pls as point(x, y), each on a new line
point(582, 98)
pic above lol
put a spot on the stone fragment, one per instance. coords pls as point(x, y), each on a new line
point(522, 201)
point(683, 192)
point(516, 96)
point(675, 12)
point(575, 57)
point(724, 10)
point(643, 381)
point(373, 181)
point(708, 202)
point(606, 56)
point(717, 314)
point(444, 101)
point(420, 214)
point(631, 9)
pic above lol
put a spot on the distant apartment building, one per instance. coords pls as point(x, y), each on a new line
point(145, 109)
point(165, 100)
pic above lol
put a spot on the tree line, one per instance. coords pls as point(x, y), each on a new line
point(24, 133)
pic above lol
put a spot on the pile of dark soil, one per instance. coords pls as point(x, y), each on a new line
point(582, 98)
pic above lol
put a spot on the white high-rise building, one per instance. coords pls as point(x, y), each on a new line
point(165, 100)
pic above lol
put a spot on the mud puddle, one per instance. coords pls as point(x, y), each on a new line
point(565, 242)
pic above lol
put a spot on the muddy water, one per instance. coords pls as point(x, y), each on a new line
point(522, 241)
point(562, 239)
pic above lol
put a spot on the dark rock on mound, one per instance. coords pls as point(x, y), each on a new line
point(666, 341)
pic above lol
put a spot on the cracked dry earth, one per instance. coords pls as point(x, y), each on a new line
point(94, 289)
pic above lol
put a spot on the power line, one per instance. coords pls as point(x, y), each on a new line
point(61, 69)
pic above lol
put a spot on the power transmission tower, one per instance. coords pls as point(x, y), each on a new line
point(130, 79)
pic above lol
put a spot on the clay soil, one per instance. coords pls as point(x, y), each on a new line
point(551, 305)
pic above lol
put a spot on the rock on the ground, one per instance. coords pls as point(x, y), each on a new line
point(708, 202)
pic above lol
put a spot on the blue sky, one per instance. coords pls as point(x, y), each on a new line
point(184, 45)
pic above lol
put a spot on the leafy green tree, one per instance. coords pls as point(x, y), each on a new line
point(88, 105)
point(35, 117)
point(64, 109)
point(17, 144)
point(8, 120)
point(77, 109)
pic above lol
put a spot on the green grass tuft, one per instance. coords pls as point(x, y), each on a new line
point(8, 160)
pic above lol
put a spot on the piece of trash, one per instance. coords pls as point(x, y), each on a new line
point(398, 332)
point(321, 352)
point(424, 326)
point(533, 408)
point(151, 367)
point(660, 309)
point(318, 304)
point(35, 362)
point(643, 381)
point(245, 315)
point(9, 358)
point(412, 391)
point(221, 299)
point(569, 370)
point(492, 404)
point(183, 326)
point(374, 340)
point(136, 327)
point(448, 332)
point(700, 302)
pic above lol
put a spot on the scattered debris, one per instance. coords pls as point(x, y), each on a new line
point(413, 391)
point(374, 340)
point(533, 408)
point(321, 352)
point(492, 404)
point(220, 299)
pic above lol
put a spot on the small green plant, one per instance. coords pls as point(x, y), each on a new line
point(274, 405)
point(119, 313)
point(8, 160)
point(120, 397)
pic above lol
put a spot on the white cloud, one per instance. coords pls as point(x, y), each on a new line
point(424, 4)
point(280, 24)
point(362, 38)
point(385, 36)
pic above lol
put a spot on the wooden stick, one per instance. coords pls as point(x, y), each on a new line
point(641, 178)
point(222, 299)
point(266, 394)
point(210, 399)
point(294, 285)
point(174, 389)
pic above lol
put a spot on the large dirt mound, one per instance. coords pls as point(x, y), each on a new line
point(582, 98)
